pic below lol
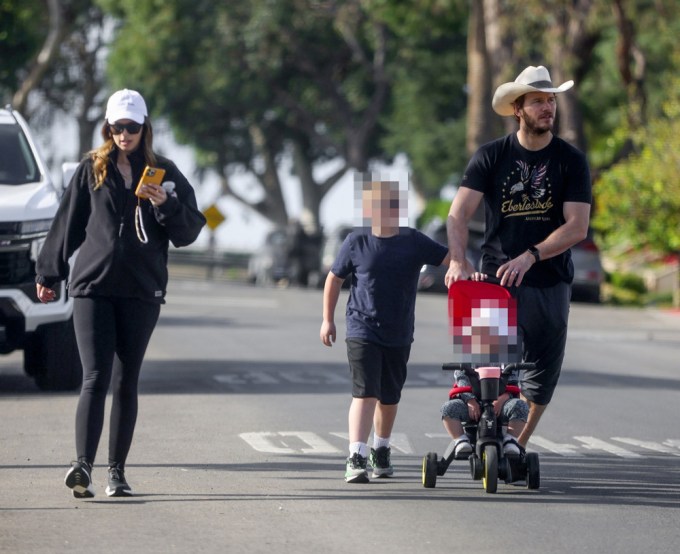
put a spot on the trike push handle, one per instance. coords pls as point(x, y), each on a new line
point(506, 370)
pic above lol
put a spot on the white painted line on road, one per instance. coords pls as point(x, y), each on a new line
point(398, 441)
point(262, 443)
point(655, 446)
point(317, 445)
point(308, 378)
point(279, 442)
point(591, 443)
point(558, 448)
point(250, 378)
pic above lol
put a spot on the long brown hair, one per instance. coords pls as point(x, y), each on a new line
point(101, 156)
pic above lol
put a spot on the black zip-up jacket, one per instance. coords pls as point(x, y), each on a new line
point(112, 261)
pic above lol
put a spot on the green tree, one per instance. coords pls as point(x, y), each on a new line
point(21, 35)
point(638, 200)
point(426, 116)
point(249, 81)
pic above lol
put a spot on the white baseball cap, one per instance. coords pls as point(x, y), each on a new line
point(126, 104)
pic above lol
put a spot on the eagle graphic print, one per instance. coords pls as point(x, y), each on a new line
point(527, 191)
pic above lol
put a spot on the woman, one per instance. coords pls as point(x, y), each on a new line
point(119, 277)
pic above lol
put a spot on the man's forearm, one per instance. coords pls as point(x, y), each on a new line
point(457, 235)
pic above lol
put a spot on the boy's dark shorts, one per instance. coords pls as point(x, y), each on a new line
point(377, 371)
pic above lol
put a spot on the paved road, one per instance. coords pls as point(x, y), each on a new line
point(242, 435)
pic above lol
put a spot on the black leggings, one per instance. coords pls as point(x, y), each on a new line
point(112, 335)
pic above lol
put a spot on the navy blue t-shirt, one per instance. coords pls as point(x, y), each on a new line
point(524, 196)
point(384, 281)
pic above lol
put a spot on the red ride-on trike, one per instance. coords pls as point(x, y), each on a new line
point(483, 324)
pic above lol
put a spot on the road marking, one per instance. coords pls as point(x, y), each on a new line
point(301, 377)
point(655, 446)
point(317, 445)
point(250, 378)
point(398, 441)
point(264, 442)
point(591, 443)
point(557, 448)
point(296, 377)
point(308, 442)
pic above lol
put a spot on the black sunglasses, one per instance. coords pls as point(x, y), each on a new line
point(131, 128)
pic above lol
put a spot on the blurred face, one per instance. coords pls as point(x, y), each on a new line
point(537, 114)
point(126, 135)
point(381, 206)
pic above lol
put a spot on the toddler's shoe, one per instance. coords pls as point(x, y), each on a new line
point(462, 449)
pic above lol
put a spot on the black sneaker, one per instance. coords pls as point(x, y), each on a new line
point(356, 469)
point(79, 480)
point(380, 461)
point(117, 486)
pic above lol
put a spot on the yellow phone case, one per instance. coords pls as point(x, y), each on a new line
point(150, 176)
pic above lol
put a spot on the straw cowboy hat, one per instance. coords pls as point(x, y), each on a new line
point(532, 79)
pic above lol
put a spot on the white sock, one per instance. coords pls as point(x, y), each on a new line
point(379, 442)
point(462, 438)
point(360, 447)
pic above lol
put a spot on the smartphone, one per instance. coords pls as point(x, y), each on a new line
point(151, 176)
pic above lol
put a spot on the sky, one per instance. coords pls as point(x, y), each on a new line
point(243, 229)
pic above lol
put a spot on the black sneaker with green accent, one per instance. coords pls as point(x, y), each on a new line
point(380, 461)
point(79, 479)
point(117, 486)
point(356, 469)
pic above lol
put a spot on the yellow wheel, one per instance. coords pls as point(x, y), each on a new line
point(430, 470)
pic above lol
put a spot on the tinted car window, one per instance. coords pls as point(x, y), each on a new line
point(17, 164)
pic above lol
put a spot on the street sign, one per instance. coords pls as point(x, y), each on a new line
point(213, 216)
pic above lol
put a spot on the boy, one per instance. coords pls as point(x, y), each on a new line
point(383, 260)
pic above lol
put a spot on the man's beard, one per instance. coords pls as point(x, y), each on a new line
point(535, 127)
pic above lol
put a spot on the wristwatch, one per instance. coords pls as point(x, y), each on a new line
point(535, 253)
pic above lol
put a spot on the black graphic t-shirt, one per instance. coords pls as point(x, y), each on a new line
point(524, 194)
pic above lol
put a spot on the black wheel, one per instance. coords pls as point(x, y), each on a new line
point(490, 462)
point(533, 471)
point(430, 470)
point(51, 357)
point(476, 469)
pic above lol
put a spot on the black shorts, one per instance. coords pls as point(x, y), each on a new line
point(377, 371)
point(542, 317)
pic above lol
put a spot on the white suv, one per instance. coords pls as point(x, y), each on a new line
point(28, 203)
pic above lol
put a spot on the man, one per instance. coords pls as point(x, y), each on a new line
point(537, 195)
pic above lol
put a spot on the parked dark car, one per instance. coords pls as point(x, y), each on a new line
point(330, 249)
point(289, 255)
point(588, 272)
point(432, 277)
point(269, 264)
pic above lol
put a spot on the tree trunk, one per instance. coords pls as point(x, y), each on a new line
point(499, 46)
point(571, 45)
point(479, 127)
point(55, 35)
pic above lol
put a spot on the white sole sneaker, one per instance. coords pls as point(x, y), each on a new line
point(78, 479)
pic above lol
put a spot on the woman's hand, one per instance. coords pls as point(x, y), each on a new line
point(155, 194)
